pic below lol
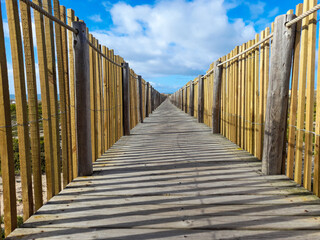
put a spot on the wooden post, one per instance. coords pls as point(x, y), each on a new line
point(152, 99)
point(147, 100)
point(200, 99)
point(185, 100)
point(191, 99)
point(82, 95)
point(277, 99)
point(216, 98)
point(140, 99)
point(126, 98)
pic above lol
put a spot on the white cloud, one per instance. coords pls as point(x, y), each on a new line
point(176, 37)
point(96, 18)
point(256, 10)
point(273, 12)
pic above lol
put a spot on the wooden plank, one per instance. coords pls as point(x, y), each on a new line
point(63, 18)
point(216, 110)
point(301, 97)
point(126, 98)
point(311, 53)
point(106, 98)
point(92, 98)
point(316, 176)
point(71, 18)
point(52, 175)
point(266, 71)
point(260, 118)
point(98, 100)
point(243, 98)
point(294, 98)
point(62, 101)
point(82, 92)
point(200, 99)
point(21, 106)
point(277, 101)
point(6, 146)
point(32, 103)
point(160, 190)
point(257, 140)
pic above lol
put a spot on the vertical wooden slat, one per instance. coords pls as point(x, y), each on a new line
point(257, 141)
point(316, 178)
point(52, 166)
point(21, 106)
point(301, 97)
point(98, 101)
point(92, 98)
point(62, 95)
point(266, 70)
point(32, 102)
point(239, 98)
point(243, 98)
point(63, 16)
point(44, 85)
point(260, 119)
point(294, 97)
point(71, 18)
point(6, 148)
point(311, 53)
point(106, 99)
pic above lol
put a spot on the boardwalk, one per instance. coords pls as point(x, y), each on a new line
point(173, 179)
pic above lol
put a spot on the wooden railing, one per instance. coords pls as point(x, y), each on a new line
point(82, 87)
point(266, 97)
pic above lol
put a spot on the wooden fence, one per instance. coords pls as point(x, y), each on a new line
point(61, 101)
point(250, 99)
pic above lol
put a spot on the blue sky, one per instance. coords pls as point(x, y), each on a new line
point(171, 42)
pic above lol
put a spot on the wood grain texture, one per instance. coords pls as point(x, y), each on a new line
point(277, 102)
point(82, 100)
point(32, 101)
point(6, 146)
point(21, 106)
point(51, 166)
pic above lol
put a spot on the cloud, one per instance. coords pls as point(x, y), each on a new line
point(273, 12)
point(96, 18)
point(256, 10)
point(176, 37)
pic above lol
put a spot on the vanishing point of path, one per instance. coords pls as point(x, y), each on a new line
point(173, 179)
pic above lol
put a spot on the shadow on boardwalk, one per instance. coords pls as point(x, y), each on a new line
point(173, 179)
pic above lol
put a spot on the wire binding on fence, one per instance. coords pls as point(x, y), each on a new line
point(28, 123)
point(247, 50)
point(103, 55)
point(304, 130)
point(302, 16)
point(132, 75)
point(48, 15)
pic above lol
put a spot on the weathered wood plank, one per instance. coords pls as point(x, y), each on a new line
point(277, 102)
point(6, 146)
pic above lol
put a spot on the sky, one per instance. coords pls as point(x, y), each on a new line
point(170, 42)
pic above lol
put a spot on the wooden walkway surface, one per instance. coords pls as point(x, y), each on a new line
point(173, 179)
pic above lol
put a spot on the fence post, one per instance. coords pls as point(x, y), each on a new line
point(152, 99)
point(82, 98)
point(185, 100)
point(200, 99)
point(216, 104)
point(147, 100)
point(191, 99)
point(126, 98)
point(140, 99)
point(277, 98)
